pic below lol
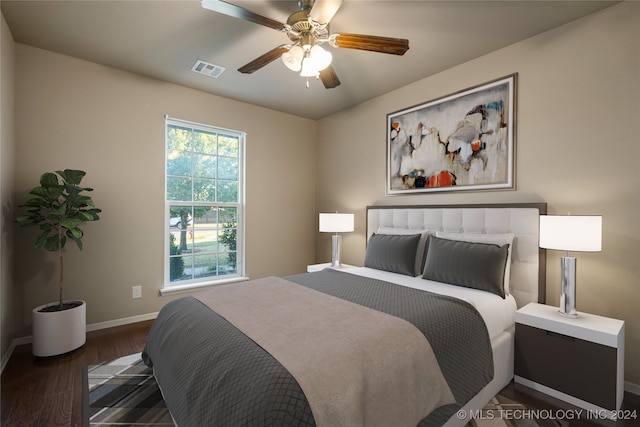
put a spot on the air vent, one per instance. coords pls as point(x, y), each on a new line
point(207, 69)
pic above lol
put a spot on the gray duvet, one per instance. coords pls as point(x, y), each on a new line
point(211, 374)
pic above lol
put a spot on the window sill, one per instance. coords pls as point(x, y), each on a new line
point(177, 289)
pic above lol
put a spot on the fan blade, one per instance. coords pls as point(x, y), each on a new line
point(240, 13)
point(263, 60)
point(329, 77)
point(324, 10)
point(371, 43)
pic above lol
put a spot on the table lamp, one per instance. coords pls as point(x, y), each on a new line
point(570, 233)
point(336, 223)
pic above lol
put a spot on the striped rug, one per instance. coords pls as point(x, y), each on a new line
point(124, 392)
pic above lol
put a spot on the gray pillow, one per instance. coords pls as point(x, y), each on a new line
point(395, 253)
point(421, 253)
point(470, 265)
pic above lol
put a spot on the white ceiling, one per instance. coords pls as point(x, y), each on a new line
point(163, 39)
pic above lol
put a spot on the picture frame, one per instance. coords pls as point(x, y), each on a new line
point(462, 141)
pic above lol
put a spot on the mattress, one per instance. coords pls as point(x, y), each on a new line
point(497, 313)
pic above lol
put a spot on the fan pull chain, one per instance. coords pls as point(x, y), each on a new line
point(307, 82)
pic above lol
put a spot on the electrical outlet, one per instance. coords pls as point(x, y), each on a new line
point(136, 292)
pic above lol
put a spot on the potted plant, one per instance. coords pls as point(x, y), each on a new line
point(58, 208)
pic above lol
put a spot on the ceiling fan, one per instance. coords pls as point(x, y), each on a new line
point(307, 29)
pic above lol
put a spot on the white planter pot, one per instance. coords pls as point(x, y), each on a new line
point(59, 332)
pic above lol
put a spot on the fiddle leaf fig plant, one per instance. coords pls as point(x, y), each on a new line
point(58, 208)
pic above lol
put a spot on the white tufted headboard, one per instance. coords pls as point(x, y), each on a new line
point(528, 263)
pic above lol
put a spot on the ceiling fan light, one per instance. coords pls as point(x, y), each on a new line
point(293, 58)
point(308, 68)
point(320, 57)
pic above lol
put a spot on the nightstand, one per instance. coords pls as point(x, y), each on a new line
point(320, 267)
point(578, 360)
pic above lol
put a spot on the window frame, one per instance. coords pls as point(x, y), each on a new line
point(168, 286)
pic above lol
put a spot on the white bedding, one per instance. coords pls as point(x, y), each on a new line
point(498, 313)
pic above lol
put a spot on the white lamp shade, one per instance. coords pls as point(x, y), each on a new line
point(336, 222)
point(308, 68)
point(319, 57)
point(571, 233)
point(314, 61)
point(293, 58)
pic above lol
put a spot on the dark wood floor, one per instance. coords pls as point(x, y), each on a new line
point(552, 407)
point(44, 392)
point(39, 392)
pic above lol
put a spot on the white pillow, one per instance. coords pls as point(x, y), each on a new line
point(496, 239)
point(422, 244)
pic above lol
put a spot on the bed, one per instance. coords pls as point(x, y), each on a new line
point(390, 343)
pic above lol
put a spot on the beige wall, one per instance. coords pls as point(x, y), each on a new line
point(7, 145)
point(76, 114)
point(578, 149)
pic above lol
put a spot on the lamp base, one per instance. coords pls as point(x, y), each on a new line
point(569, 315)
point(335, 250)
point(568, 287)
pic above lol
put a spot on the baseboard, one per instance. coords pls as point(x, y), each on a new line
point(7, 355)
point(120, 322)
point(92, 327)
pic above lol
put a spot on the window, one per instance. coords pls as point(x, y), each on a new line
point(204, 205)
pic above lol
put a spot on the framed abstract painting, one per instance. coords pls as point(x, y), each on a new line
point(463, 141)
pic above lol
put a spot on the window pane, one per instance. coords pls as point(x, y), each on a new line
point(227, 191)
point(205, 265)
point(178, 138)
point(204, 166)
point(228, 146)
point(205, 240)
point(179, 163)
point(227, 168)
point(207, 217)
point(204, 215)
point(179, 189)
point(180, 217)
point(183, 239)
point(205, 142)
point(204, 190)
point(228, 215)
point(177, 268)
point(227, 264)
